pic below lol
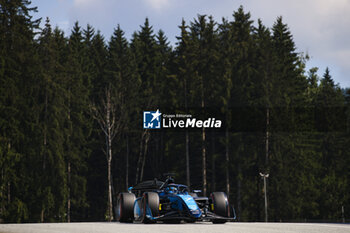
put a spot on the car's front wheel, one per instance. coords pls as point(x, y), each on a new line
point(150, 206)
point(220, 206)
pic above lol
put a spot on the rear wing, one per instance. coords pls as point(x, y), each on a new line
point(147, 185)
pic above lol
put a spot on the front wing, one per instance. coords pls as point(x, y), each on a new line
point(185, 215)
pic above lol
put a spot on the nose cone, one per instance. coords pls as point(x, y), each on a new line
point(192, 205)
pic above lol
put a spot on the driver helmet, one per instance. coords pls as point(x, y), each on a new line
point(171, 189)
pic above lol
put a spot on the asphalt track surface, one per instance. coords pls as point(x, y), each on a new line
point(172, 228)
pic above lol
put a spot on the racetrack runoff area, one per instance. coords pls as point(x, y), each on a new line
point(203, 227)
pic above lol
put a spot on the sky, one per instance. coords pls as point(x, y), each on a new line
point(320, 28)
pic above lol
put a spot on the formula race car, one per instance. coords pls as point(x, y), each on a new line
point(152, 201)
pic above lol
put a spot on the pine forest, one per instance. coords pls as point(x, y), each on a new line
point(71, 106)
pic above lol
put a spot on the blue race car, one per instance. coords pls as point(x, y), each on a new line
point(152, 201)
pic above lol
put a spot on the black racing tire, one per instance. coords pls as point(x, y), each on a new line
point(125, 207)
point(220, 206)
point(150, 200)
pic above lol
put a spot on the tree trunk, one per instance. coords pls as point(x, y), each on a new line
point(8, 192)
point(68, 198)
point(188, 181)
point(68, 157)
point(258, 199)
point(239, 191)
point(162, 151)
point(139, 161)
point(109, 187)
point(267, 136)
point(265, 192)
point(204, 165)
point(45, 132)
point(42, 215)
point(144, 155)
point(213, 175)
point(109, 155)
point(266, 158)
point(8, 183)
point(204, 160)
point(127, 162)
point(45, 149)
point(227, 163)
point(156, 155)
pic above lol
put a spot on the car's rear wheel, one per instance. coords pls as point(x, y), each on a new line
point(125, 207)
point(150, 205)
point(220, 206)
